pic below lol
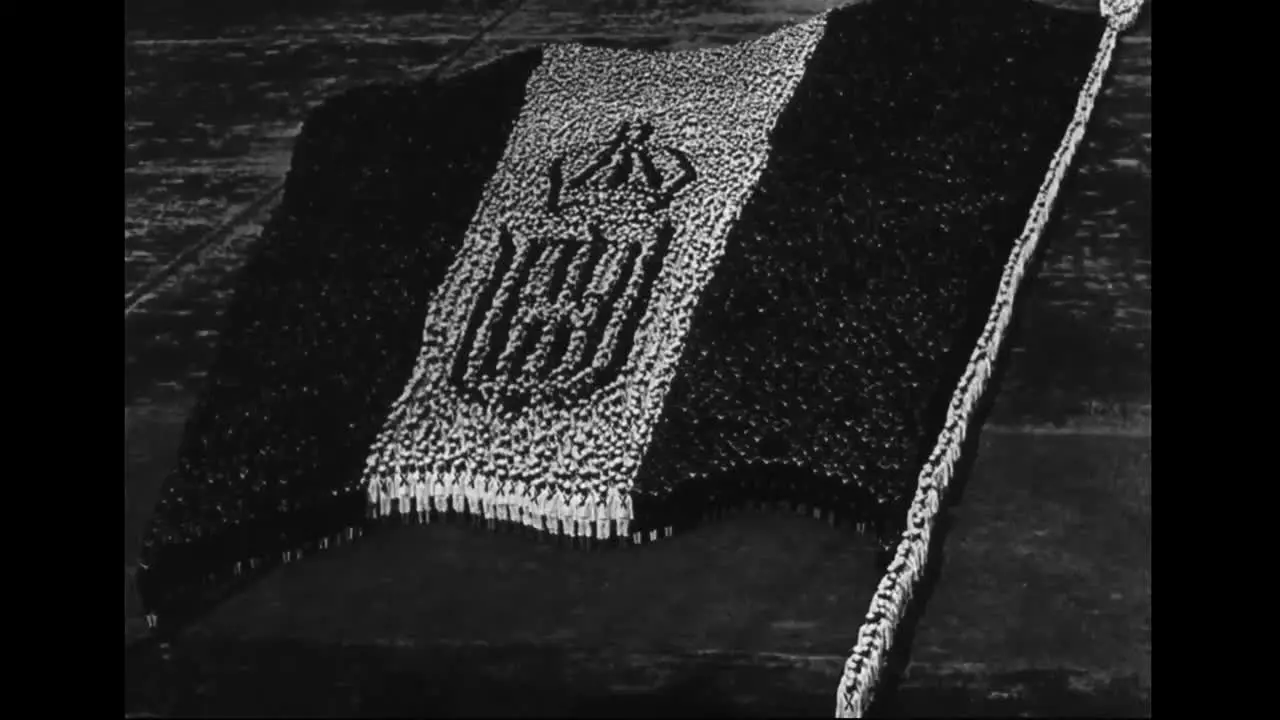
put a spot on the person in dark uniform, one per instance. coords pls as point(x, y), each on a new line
point(147, 580)
point(233, 546)
point(213, 537)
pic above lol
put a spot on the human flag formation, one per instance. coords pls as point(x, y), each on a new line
point(594, 293)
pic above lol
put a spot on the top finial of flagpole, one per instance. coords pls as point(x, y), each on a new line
point(1121, 14)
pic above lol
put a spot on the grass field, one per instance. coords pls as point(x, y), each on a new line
point(1043, 606)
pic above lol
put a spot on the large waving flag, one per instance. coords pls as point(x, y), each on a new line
point(595, 292)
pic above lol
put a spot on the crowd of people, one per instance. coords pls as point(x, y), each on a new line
point(818, 344)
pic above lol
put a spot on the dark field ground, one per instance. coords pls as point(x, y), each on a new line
point(1043, 606)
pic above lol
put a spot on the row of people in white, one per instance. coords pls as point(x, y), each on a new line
point(589, 514)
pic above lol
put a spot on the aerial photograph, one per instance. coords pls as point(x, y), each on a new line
point(637, 358)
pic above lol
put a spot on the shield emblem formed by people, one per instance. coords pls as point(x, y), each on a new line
point(557, 317)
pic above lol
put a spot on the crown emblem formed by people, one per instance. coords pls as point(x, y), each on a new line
point(629, 171)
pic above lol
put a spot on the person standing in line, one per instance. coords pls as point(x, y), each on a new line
point(421, 493)
point(439, 496)
point(569, 517)
point(470, 495)
point(601, 518)
point(541, 506)
point(488, 503)
point(500, 506)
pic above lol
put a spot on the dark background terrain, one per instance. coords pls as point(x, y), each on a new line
point(1043, 606)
